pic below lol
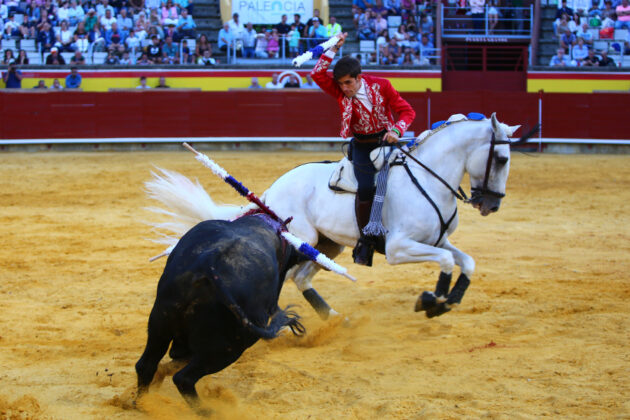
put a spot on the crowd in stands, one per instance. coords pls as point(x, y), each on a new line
point(152, 31)
point(578, 30)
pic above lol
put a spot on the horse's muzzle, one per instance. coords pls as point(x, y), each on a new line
point(485, 203)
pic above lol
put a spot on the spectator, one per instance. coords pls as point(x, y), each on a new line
point(133, 42)
point(169, 14)
point(201, 46)
point(402, 36)
point(591, 59)
point(206, 59)
point(298, 24)
point(155, 24)
point(594, 10)
point(560, 59)
point(356, 15)
point(115, 40)
point(623, 15)
point(366, 26)
point(309, 23)
point(309, 84)
point(65, 37)
point(185, 4)
point(562, 24)
point(125, 23)
point(11, 28)
point(143, 60)
point(225, 38)
point(608, 11)
point(382, 40)
point(567, 40)
point(46, 38)
point(143, 83)
point(12, 77)
point(187, 57)
point(249, 41)
point(73, 80)
point(379, 9)
point(22, 58)
point(170, 52)
point(171, 31)
point(255, 84)
point(283, 27)
point(293, 82)
point(91, 19)
point(393, 7)
point(273, 44)
point(380, 23)
point(125, 60)
point(261, 44)
point(564, 9)
point(27, 28)
point(493, 15)
point(579, 51)
point(236, 27)
point(80, 38)
point(274, 83)
point(75, 13)
point(363, 4)
point(41, 85)
point(392, 51)
point(162, 83)
point(8, 57)
point(154, 51)
point(77, 59)
point(318, 34)
point(111, 59)
point(54, 58)
point(408, 10)
point(333, 28)
point(56, 85)
point(107, 20)
point(426, 47)
point(186, 25)
point(152, 4)
point(585, 34)
point(606, 61)
point(63, 12)
point(294, 41)
point(426, 26)
point(102, 7)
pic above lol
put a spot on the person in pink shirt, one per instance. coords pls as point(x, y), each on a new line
point(623, 15)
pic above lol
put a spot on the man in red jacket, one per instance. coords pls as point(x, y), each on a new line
point(365, 103)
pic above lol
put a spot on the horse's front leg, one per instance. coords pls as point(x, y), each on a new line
point(401, 249)
point(467, 265)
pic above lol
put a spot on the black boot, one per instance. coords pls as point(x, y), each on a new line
point(364, 249)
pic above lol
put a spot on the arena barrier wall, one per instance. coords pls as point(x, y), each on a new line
point(296, 113)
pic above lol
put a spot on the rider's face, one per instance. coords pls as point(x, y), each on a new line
point(349, 85)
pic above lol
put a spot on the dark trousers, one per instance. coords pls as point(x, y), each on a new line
point(364, 170)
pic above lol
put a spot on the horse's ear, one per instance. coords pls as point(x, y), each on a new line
point(495, 123)
point(512, 129)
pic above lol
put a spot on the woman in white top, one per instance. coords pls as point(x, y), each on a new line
point(65, 37)
point(402, 36)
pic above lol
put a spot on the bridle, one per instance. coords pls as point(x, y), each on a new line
point(476, 192)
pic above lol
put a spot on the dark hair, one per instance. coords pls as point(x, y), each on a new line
point(347, 66)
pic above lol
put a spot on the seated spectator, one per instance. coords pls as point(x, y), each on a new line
point(46, 37)
point(249, 41)
point(255, 84)
point(292, 82)
point(366, 26)
point(153, 4)
point(563, 24)
point(409, 58)
point(76, 13)
point(392, 52)
point(568, 40)
point(77, 59)
point(73, 80)
point(206, 59)
point(185, 4)
point(56, 85)
point(12, 28)
point(236, 27)
point(606, 61)
point(27, 28)
point(478, 15)
point(8, 57)
point(63, 11)
point(623, 15)
point(97, 37)
point(125, 23)
point(41, 85)
point(427, 48)
point(141, 26)
point(111, 59)
point(187, 57)
point(65, 37)
point(125, 59)
point(564, 9)
point(225, 38)
point(608, 11)
point(363, 4)
point(426, 25)
point(169, 14)
point(102, 7)
point(356, 16)
point(143, 60)
point(171, 31)
point(318, 34)
point(186, 25)
point(379, 8)
point(132, 42)
point(107, 20)
point(273, 44)
point(294, 41)
point(170, 52)
point(493, 15)
point(309, 23)
point(591, 59)
point(274, 83)
point(309, 84)
point(402, 36)
point(143, 83)
point(80, 38)
point(594, 10)
point(115, 40)
point(261, 44)
point(579, 51)
point(560, 59)
point(380, 23)
point(155, 23)
point(153, 31)
point(154, 51)
point(22, 58)
point(202, 45)
point(54, 58)
point(91, 19)
point(333, 28)
point(585, 34)
point(408, 10)
point(393, 7)
point(162, 83)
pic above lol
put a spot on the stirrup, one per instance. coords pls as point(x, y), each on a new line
point(363, 251)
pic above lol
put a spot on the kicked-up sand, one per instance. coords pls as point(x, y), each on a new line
point(543, 331)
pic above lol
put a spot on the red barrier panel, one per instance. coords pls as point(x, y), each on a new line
point(246, 113)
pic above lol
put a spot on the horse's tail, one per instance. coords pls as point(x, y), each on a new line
point(185, 203)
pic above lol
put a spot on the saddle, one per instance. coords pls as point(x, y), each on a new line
point(342, 180)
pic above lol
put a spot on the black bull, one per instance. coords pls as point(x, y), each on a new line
point(219, 288)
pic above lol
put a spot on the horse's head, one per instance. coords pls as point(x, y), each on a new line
point(488, 166)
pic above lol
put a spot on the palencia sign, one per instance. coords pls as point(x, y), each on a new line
point(271, 11)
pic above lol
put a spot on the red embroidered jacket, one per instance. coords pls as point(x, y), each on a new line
point(355, 116)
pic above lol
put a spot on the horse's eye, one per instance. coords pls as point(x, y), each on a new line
point(501, 160)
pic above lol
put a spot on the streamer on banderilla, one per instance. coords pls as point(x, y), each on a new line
point(315, 51)
point(297, 243)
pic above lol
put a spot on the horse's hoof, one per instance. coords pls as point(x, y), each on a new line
point(426, 301)
point(438, 310)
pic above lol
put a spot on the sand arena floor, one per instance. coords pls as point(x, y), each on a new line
point(542, 331)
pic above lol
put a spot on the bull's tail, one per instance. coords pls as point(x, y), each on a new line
point(282, 318)
point(185, 203)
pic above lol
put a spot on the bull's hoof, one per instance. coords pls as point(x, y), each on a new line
point(438, 310)
point(426, 301)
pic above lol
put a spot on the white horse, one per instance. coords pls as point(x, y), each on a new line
point(419, 210)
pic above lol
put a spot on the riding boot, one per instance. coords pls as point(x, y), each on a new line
point(364, 249)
